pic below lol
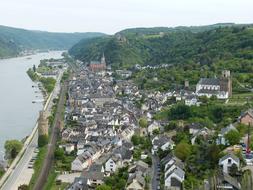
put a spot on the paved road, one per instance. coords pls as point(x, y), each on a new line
point(155, 162)
point(21, 170)
point(48, 161)
point(21, 174)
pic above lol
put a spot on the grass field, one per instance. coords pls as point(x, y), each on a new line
point(241, 98)
point(38, 165)
point(1, 173)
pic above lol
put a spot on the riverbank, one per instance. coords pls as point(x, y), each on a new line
point(16, 172)
point(19, 116)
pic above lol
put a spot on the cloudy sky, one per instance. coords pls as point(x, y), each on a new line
point(110, 16)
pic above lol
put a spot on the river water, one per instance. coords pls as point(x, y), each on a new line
point(18, 114)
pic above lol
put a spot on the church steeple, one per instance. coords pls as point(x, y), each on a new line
point(103, 59)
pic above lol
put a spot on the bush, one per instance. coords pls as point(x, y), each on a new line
point(12, 148)
point(42, 140)
point(59, 154)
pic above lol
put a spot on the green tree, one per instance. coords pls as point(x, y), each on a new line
point(171, 126)
point(12, 148)
point(59, 154)
point(203, 99)
point(34, 68)
point(103, 187)
point(42, 140)
point(243, 129)
point(180, 111)
point(233, 170)
point(233, 137)
point(143, 122)
point(183, 150)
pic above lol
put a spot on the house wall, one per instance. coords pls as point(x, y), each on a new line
point(110, 166)
point(226, 165)
point(246, 119)
point(172, 178)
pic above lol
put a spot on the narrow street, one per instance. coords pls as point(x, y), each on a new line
point(155, 166)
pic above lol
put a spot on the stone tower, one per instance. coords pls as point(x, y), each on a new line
point(226, 81)
point(226, 74)
point(43, 124)
point(186, 84)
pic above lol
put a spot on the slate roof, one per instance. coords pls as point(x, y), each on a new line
point(124, 152)
point(138, 176)
point(178, 171)
point(93, 175)
point(166, 159)
point(235, 158)
point(162, 140)
point(195, 126)
point(227, 129)
point(209, 81)
point(229, 179)
point(206, 91)
point(96, 168)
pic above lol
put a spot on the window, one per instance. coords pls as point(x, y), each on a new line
point(229, 161)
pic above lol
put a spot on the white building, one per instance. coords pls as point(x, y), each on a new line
point(219, 87)
point(174, 173)
point(162, 142)
point(191, 100)
point(227, 161)
point(112, 164)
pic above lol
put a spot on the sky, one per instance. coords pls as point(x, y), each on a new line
point(110, 16)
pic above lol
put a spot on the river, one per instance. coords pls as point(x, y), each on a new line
point(18, 114)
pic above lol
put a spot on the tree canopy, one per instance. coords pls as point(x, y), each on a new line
point(183, 151)
point(12, 148)
point(233, 137)
point(143, 122)
point(103, 187)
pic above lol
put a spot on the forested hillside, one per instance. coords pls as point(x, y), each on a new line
point(8, 48)
point(13, 40)
point(215, 46)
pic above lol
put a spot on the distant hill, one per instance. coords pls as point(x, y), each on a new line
point(181, 45)
point(157, 30)
point(13, 40)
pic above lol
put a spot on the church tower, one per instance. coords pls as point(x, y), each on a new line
point(103, 59)
point(226, 81)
